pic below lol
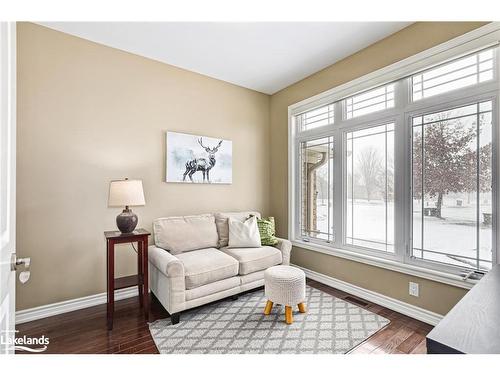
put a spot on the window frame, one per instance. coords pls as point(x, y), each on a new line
point(345, 111)
point(300, 125)
point(442, 106)
point(404, 108)
point(299, 188)
point(423, 71)
point(366, 125)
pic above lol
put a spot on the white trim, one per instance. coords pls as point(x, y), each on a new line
point(8, 55)
point(475, 39)
point(57, 308)
point(407, 309)
point(393, 265)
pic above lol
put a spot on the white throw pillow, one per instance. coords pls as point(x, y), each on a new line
point(243, 233)
point(222, 223)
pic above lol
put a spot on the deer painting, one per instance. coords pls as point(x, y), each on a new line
point(202, 164)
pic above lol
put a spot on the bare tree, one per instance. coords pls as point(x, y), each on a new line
point(385, 178)
point(370, 167)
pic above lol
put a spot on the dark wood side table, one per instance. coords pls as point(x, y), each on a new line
point(141, 279)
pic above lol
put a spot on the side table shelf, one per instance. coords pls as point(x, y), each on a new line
point(141, 279)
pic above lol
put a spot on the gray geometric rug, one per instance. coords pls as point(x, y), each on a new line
point(330, 326)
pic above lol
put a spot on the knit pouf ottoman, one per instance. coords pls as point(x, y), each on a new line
point(285, 285)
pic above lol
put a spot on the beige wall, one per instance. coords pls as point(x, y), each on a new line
point(88, 114)
point(409, 41)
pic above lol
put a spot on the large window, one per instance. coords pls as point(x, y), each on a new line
point(369, 101)
point(316, 190)
point(457, 74)
point(452, 186)
point(316, 117)
point(369, 187)
point(404, 170)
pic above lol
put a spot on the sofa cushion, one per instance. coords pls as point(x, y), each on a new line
point(212, 288)
point(221, 221)
point(185, 233)
point(253, 259)
point(206, 266)
point(251, 277)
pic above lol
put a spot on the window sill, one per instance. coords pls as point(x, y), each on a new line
point(429, 274)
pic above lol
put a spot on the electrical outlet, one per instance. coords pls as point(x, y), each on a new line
point(413, 289)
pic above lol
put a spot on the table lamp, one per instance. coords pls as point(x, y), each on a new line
point(126, 193)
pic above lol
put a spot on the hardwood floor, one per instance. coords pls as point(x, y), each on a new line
point(84, 331)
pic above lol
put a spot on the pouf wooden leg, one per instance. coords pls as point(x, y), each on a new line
point(269, 306)
point(286, 286)
point(302, 307)
point(288, 315)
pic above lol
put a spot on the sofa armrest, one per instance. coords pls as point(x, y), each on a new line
point(285, 246)
point(166, 263)
point(166, 279)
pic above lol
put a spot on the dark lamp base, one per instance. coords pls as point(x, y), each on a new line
point(126, 221)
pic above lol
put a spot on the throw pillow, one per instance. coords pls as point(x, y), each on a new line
point(267, 231)
point(243, 233)
point(221, 221)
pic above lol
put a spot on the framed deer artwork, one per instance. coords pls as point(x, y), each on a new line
point(198, 159)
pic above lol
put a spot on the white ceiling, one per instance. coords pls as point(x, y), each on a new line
point(265, 57)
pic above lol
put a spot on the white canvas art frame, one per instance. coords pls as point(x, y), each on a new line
point(198, 159)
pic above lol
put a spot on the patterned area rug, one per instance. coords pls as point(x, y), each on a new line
point(330, 326)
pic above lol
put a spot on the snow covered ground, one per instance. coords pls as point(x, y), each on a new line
point(454, 234)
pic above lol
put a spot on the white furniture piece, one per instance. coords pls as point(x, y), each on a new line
point(285, 285)
point(191, 265)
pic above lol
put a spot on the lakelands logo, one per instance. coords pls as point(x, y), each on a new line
point(24, 343)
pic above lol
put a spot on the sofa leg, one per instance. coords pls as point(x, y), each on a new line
point(234, 297)
point(175, 318)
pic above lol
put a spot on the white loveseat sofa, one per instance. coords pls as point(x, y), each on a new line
point(190, 264)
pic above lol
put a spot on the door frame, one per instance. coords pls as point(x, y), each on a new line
point(8, 110)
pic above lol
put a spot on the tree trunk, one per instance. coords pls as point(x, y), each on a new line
point(439, 204)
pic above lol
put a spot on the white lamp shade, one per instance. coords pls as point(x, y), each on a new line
point(126, 193)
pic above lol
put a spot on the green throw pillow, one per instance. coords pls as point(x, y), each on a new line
point(267, 231)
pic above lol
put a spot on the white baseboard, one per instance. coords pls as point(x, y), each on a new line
point(57, 308)
point(412, 311)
